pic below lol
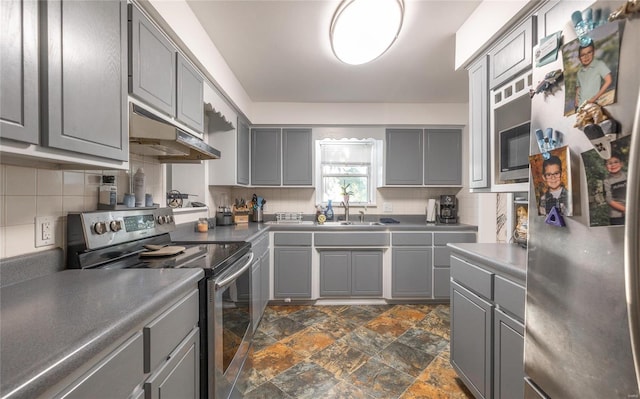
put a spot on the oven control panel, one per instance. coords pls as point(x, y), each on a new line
point(103, 228)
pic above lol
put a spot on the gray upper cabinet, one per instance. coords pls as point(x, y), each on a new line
point(403, 160)
point(190, 95)
point(19, 113)
point(513, 54)
point(84, 92)
point(152, 64)
point(243, 142)
point(479, 125)
point(297, 155)
point(443, 157)
point(266, 156)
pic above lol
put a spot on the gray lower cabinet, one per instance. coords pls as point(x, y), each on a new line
point(508, 346)
point(256, 292)
point(117, 374)
point(479, 124)
point(266, 156)
point(411, 270)
point(297, 156)
point(259, 278)
point(351, 273)
point(163, 358)
point(403, 156)
point(442, 157)
point(471, 327)
point(152, 64)
point(487, 330)
point(19, 102)
point(84, 90)
point(179, 377)
point(441, 255)
point(292, 265)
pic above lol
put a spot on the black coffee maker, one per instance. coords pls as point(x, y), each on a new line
point(448, 209)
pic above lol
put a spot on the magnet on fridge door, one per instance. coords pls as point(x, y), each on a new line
point(548, 140)
point(554, 218)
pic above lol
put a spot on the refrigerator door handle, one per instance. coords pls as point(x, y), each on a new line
point(631, 240)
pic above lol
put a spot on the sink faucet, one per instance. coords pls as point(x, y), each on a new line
point(346, 211)
point(361, 216)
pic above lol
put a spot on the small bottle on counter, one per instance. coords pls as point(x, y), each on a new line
point(138, 187)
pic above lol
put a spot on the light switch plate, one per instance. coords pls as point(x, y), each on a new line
point(387, 207)
point(45, 231)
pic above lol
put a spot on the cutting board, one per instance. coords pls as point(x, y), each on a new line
point(164, 251)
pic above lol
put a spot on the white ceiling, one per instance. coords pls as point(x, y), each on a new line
point(280, 52)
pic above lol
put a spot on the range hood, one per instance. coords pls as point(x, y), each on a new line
point(151, 135)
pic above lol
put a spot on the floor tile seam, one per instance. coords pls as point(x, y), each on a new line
point(284, 371)
point(404, 372)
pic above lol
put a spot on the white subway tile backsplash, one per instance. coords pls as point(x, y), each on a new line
point(72, 203)
point(3, 179)
point(73, 183)
point(92, 181)
point(49, 205)
point(19, 180)
point(20, 209)
point(49, 182)
point(20, 240)
point(2, 211)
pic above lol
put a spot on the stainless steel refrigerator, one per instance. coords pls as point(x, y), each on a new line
point(578, 340)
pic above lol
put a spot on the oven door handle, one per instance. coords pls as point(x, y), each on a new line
point(228, 280)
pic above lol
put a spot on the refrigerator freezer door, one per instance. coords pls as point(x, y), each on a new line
point(632, 243)
point(577, 342)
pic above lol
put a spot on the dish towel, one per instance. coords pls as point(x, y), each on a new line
point(388, 220)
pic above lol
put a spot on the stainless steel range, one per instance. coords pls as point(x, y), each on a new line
point(139, 238)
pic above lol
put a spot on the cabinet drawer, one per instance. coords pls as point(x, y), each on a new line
point(441, 282)
point(163, 334)
point(441, 256)
point(509, 296)
point(478, 280)
point(118, 374)
point(292, 239)
point(419, 239)
point(352, 239)
point(260, 246)
point(445, 238)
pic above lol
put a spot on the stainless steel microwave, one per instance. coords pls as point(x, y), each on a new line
point(514, 153)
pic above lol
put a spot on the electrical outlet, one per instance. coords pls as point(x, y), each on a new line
point(45, 231)
point(387, 207)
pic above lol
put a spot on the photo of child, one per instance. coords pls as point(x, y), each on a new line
point(607, 183)
point(591, 70)
point(552, 181)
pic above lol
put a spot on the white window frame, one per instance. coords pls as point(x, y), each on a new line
point(375, 170)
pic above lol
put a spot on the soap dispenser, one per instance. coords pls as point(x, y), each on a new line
point(329, 212)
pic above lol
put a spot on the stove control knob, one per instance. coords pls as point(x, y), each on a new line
point(162, 219)
point(100, 228)
point(115, 225)
point(170, 219)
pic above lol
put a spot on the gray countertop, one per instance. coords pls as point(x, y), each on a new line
point(509, 260)
point(247, 232)
point(52, 325)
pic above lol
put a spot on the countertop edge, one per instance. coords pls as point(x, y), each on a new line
point(83, 351)
point(508, 260)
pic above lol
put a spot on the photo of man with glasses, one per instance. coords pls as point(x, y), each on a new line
point(555, 193)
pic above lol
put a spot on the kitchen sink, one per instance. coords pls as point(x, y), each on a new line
point(351, 223)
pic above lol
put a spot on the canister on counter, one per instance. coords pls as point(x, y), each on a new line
point(108, 191)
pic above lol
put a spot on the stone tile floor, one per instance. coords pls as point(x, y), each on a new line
point(350, 352)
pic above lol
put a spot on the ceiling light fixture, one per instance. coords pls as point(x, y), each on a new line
point(363, 30)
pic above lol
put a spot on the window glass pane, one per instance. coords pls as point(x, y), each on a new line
point(358, 187)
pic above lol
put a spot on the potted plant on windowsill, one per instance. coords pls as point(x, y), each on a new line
point(346, 193)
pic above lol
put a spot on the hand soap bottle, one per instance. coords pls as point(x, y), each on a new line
point(329, 212)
